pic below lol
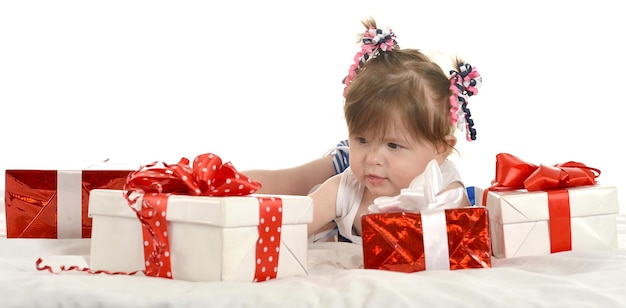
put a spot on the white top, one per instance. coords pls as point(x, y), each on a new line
point(350, 194)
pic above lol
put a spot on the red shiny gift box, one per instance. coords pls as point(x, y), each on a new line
point(440, 239)
point(54, 203)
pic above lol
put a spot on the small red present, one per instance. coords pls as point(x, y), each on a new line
point(435, 239)
point(424, 227)
point(54, 203)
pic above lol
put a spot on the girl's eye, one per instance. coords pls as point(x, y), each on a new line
point(361, 140)
point(393, 145)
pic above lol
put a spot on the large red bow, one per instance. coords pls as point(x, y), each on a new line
point(514, 173)
point(207, 177)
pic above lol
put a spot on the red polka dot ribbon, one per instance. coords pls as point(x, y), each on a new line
point(268, 244)
point(206, 177)
point(156, 245)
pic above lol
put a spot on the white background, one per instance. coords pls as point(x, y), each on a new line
point(259, 82)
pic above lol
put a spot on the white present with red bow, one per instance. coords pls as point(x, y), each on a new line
point(539, 210)
point(195, 237)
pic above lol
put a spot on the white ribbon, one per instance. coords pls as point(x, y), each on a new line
point(425, 195)
point(69, 204)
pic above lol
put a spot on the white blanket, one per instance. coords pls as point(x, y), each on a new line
point(336, 279)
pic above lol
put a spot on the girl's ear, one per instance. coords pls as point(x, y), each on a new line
point(445, 148)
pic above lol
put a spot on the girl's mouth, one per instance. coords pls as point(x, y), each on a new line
point(375, 180)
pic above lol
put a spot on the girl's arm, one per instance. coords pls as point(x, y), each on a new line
point(297, 180)
point(465, 202)
point(324, 205)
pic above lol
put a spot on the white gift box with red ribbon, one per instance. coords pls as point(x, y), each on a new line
point(210, 238)
point(520, 220)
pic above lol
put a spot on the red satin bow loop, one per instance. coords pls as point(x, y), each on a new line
point(511, 171)
point(514, 173)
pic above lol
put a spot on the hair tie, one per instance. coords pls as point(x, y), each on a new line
point(374, 42)
point(463, 84)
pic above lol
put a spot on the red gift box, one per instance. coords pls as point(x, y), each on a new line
point(54, 203)
point(411, 242)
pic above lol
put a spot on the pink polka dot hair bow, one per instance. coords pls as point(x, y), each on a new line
point(207, 176)
point(374, 41)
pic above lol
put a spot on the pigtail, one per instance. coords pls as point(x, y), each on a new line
point(373, 42)
point(463, 84)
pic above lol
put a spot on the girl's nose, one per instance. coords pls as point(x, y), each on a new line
point(374, 156)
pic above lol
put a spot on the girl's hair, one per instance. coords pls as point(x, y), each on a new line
point(404, 83)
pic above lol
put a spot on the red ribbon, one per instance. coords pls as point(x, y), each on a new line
point(268, 244)
point(64, 268)
point(560, 224)
point(513, 173)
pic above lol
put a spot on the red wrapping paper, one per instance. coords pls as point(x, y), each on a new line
point(31, 200)
point(395, 241)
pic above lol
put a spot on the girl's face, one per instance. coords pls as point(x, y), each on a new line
point(388, 164)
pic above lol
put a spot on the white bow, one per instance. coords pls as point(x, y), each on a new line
point(424, 193)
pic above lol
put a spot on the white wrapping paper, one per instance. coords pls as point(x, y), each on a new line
point(211, 238)
point(519, 220)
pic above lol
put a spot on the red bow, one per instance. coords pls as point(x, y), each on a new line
point(207, 177)
point(514, 173)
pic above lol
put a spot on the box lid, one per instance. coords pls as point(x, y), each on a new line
point(235, 211)
point(522, 206)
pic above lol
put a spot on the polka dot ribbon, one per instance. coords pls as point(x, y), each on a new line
point(206, 177)
point(268, 244)
point(156, 245)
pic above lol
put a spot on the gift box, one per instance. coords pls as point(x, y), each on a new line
point(54, 203)
point(535, 223)
point(209, 238)
point(544, 209)
point(449, 239)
